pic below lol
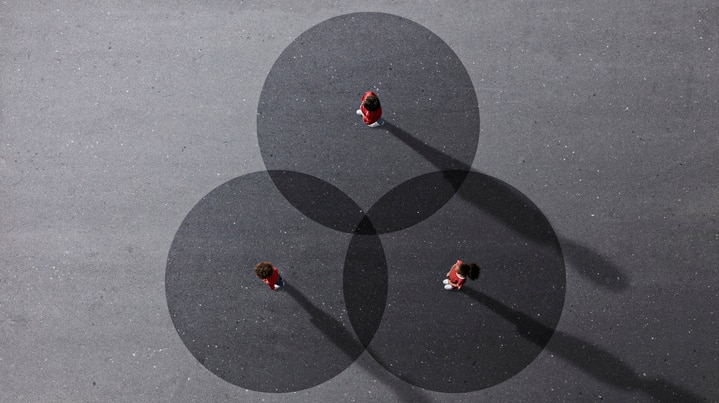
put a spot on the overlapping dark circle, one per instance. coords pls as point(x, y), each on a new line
point(231, 322)
point(453, 342)
point(363, 224)
point(306, 115)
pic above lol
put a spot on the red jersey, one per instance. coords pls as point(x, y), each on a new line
point(369, 117)
point(272, 280)
point(454, 279)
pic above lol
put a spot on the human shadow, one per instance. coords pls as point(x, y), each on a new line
point(587, 262)
point(346, 341)
point(591, 359)
point(593, 266)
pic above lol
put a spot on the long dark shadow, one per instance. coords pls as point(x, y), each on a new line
point(442, 161)
point(586, 261)
point(591, 359)
point(593, 266)
point(350, 345)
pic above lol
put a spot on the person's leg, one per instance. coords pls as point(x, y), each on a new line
point(280, 283)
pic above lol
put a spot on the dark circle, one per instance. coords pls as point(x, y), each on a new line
point(306, 115)
point(365, 285)
point(232, 323)
point(484, 334)
point(321, 202)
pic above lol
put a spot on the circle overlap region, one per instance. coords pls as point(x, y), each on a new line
point(363, 224)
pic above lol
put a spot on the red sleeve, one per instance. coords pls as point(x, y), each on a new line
point(453, 278)
point(369, 117)
point(273, 279)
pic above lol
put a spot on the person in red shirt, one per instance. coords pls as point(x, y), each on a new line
point(269, 275)
point(457, 275)
point(370, 109)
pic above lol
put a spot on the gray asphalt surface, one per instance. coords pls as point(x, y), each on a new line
point(117, 118)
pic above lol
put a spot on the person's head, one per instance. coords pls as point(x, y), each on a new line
point(264, 270)
point(470, 270)
point(371, 103)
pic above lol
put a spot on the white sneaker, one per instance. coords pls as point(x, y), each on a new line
point(445, 281)
point(447, 287)
point(359, 112)
point(378, 123)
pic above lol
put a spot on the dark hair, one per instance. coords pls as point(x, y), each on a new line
point(470, 270)
point(371, 103)
point(264, 270)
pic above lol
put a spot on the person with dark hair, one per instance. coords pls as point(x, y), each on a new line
point(268, 273)
point(370, 109)
point(457, 275)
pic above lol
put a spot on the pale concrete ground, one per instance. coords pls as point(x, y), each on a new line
point(117, 118)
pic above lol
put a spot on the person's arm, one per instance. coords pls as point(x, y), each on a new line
point(275, 276)
point(365, 115)
point(454, 267)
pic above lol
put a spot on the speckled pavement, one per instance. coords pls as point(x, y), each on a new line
point(152, 154)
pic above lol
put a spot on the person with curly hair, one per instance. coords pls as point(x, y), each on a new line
point(268, 273)
point(457, 275)
point(370, 109)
